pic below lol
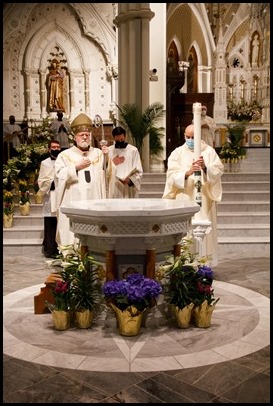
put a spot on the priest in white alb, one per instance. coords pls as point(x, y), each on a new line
point(129, 172)
point(180, 184)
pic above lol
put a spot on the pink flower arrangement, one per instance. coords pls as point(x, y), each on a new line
point(62, 295)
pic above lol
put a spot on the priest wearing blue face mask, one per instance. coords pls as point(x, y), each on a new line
point(180, 184)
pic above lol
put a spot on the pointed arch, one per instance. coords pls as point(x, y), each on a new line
point(173, 58)
point(255, 46)
point(192, 73)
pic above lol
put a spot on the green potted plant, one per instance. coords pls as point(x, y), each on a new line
point(42, 132)
point(179, 291)
point(139, 124)
point(187, 285)
point(29, 159)
point(8, 208)
point(24, 165)
point(24, 197)
point(83, 273)
point(10, 176)
point(38, 196)
point(204, 301)
point(61, 292)
point(233, 150)
point(244, 111)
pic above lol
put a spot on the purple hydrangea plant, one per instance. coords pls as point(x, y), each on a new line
point(136, 290)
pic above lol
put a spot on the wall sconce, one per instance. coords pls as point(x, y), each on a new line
point(153, 75)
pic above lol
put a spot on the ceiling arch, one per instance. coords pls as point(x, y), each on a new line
point(37, 48)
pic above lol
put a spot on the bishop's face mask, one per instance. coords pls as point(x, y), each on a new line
point(190, 142)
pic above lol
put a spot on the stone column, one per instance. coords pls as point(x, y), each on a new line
point(43, 92)
point(133, 21)
point(72, 92)
point(86, 90)
point(200, 228)
point(27, 89)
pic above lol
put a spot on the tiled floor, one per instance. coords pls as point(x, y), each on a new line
point(227, 363)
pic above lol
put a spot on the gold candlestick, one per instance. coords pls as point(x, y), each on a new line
point(231, 85)
point(242, 81)
point(255, 82)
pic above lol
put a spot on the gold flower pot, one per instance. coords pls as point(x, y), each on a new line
point(129, 320)
point(183, 316)
point(61, 319)
point(202, 314)
point(24, 209)
point(38, 197)
point(7, 220)
point(31, 178)
point(84, 318)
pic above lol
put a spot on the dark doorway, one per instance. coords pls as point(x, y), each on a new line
point(179, 115)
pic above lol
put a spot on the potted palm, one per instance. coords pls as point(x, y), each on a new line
point(139, 124)
point(232, 150)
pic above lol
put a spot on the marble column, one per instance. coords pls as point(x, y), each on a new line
point(133, 21)
point(72, 92)
point(43, 92)
point(27, 90)
point(200, 228)
point(86, 90)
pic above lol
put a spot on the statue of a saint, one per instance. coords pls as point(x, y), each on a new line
point(255, 50)
point(55, 87)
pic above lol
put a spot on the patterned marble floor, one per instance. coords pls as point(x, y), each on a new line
point(227, 363)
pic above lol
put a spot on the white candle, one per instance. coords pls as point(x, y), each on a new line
point(197, 108)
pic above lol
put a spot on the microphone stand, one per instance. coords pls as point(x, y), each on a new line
point(99, 123)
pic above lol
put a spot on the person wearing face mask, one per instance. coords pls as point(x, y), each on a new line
point(80, 175)
point(127, 160)
point(47, 188)
point(180, 184)
point(208, 127)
